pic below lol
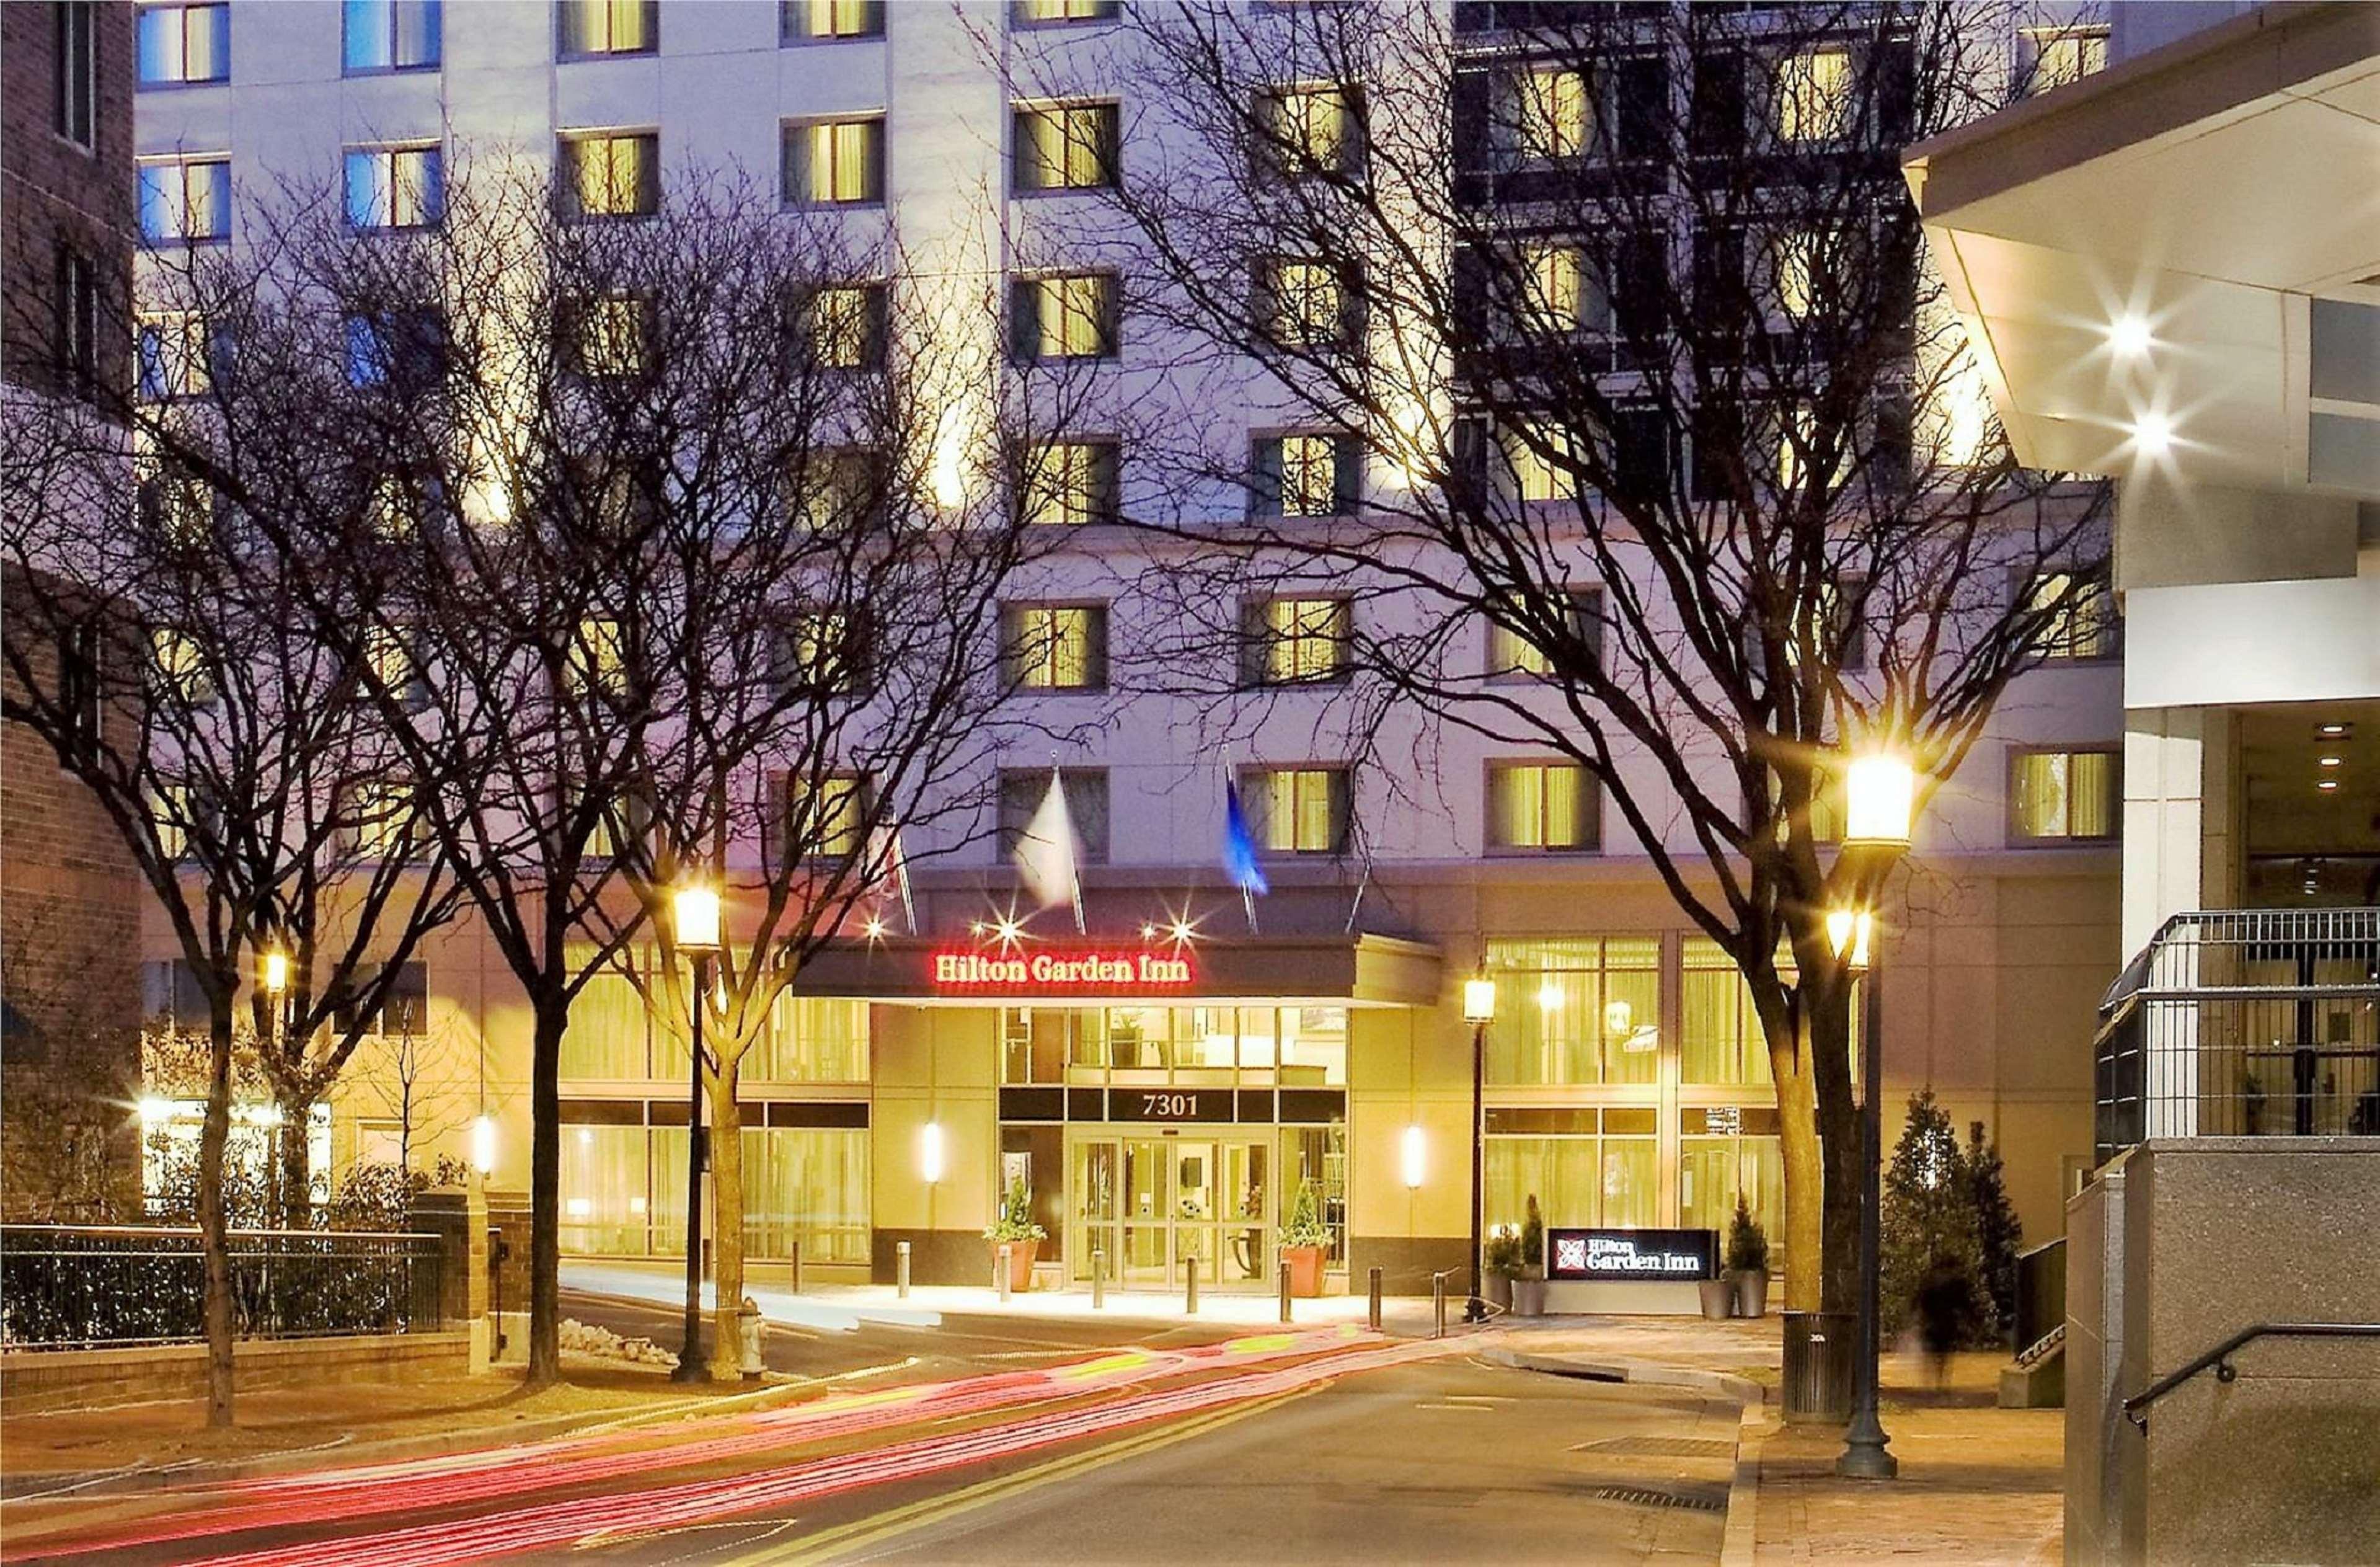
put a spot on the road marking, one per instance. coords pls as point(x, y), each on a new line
point(866, 1534)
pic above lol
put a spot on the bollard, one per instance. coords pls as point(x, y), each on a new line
point(901, 1268)
point(1373, 1314)
point(1190, 1300)
point(797, 1267)
point(1438, 1305)
point(1099, 1278)
point(1284, 1289)
point(1002, 1262)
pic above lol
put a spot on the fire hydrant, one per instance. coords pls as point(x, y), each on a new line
point(748, 1323)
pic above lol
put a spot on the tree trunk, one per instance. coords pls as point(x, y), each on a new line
point(553, 1016)
point(215, 1244)
point(1797, 1153)
point(726, 1222)
point(297, 1171)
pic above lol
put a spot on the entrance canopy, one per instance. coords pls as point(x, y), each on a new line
point(2177, 260)
point(1361, 970)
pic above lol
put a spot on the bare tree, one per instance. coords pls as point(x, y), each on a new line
point(1605, 333)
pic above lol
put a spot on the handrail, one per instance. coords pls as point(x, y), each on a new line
point(2220, 1357)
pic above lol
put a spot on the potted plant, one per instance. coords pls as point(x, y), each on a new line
point(1500, 1264)
point(1016, 1230)
point(1747, 1260)
point(1529, 1284)
point(1306, 1242)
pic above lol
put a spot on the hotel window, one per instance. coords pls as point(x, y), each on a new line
point(802, 1185)
point(1551, 118)
point(1055, 647)
point(847, 325)
point(1545, 807)
point(824, 821)
point(594, 661)
point(834, 163)
point(609, 338)
point(403, 1007)
point(1066, 316)
point(1294, 642)
point(612, 174)
point(1584, 1166)
point(1539, 454)
point(2062, 796)
point(1073, 482)
point(1314, 129)
point(1826, 805)
point(77, 306)
point(812, 1040)
point(1037, 12)
point(1298, 810)
point(1724, 1151)
point(605, 1204)
point(1715, 121)
point(396, 667)
point(800, 21)
point(395, 186)
point(1022, 791)
point(2084, 624)
point(1510, 655)
point(390, 35)
point(186, 200)
point(1560, 294)
point(606, 1037)
point(172, 355)
point(1720, 1043)
point(1814, 95)
point(2066, 55)
point(833, 491)
point(182, 45)
point(1306, 304)
point(1802, 268)
point(76, 97)
point(180, 668)
point(1585, 1010)
point(176, 508)
point(608, 26)
point(407, 349)
point(1065, 147)
point(825, 651)
point(381, 822)
point(1306, 475)
point(169, 819)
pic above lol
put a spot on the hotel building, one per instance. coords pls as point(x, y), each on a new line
point(1165, 1095)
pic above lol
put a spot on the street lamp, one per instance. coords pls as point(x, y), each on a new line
point(1478, 1010)
point(1880, 798)
point(694, 910)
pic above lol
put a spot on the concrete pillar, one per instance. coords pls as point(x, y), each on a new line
point(475, 1272)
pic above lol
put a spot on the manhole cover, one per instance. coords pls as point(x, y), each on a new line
point(1661, 1447)
point(1646, 1496)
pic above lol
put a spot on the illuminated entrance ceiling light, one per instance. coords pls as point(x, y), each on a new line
point(1551, 995)
point(2153, 434)
point(1182, 930)
point(1148, 932)
point(875, 929)
point(2333, 730)
point(2330, 762)
point(2129, 336)
point(1009, 932)
point(2327, 785)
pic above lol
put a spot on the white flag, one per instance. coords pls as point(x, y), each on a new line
point(1045, 852)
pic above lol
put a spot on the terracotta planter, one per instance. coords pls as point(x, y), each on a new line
point(1021, 1255)
point(1528, 1297)
point(1718, 1297)
point(1305, 1269)
point(1751, 1291)
point(1497, 1289)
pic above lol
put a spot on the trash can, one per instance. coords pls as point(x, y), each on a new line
point(748, 1323)
point(1821, 1347)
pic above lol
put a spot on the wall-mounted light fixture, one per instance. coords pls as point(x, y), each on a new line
point(930, 1153)
point(1416, 1164)
point(483, 1145)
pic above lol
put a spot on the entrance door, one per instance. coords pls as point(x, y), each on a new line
point(1152, 1203)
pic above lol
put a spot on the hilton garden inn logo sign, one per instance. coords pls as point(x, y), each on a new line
point(1607, 1256)
point(1059, 971)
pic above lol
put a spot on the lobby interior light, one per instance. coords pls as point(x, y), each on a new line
point(1480, 1000)
point(1848, 933)
point(1879, 799)
point(1415, 1158)
point(2129, 336)
point(1551, 996)
point(483, 1145)
point(929, 1153)
point(273, 971)
point(694, 909)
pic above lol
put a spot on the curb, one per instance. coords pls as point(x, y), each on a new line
point(1741, 1546)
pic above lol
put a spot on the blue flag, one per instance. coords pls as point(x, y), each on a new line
point(1240, 844)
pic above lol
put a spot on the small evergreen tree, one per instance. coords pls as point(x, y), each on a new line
point(1998, 1234)
point(1929, 1221)
point(1747, 1243)
point(1532, 1241)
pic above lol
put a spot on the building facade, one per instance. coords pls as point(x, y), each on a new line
point(1170, 1076)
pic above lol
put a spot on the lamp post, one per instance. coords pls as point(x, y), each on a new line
point(694, 916)
point(1881, 793)
point(1478, 1010)
point(273, 978)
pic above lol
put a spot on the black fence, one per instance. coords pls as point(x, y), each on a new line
point(2249, 1022)
point(83, 1287)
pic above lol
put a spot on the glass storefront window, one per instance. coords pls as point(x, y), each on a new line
point(812, 1040)
point(1720, 1034)
point(1313, 1046)
point(1584, 1166)
point(1725, 1150)
point(608, 1031)
point(807, 1184)
point(1214, 1046)
point(605, 1199)
point(1582, 1010)
point(1317, 1154)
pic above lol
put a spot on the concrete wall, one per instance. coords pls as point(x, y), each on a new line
point(31, 1379)
point(2198, 1240)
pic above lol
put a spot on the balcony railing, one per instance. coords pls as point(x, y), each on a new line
point(2244, 1023)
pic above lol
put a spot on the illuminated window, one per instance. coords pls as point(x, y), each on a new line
point(1037, 11)
point(179, 507)
point(835, 490)
point(390, 35)
point(1560, 294)
point(1728, 1151)
point(597, 664)
point(185, 200)
point(2063, 796)
point(172, 348)
point(2066, 56)
point(1073, 482)
point(1056, 647)
point(1299, 810)
point(1814, 95)
point(847, 326)
point(825, 650)
point(1575, 1010)
point(825, 821)
point(395, 186)
point(396, 667)
point(1800, 259)
point(184, 45)
point(1315, 129)
point(1512, 654)
point(1305, 476)
point(613, 335)
point(2082, 610)
point(180, 667)
point(1068, 316)
point(1543, 806)
point(1293, 641)
point(1796, 428)
point(1306, 304)
point(798, 20)
point(1065, 147)
point(1826, 811)
point(834, 163)
point(609, 27)
point(1550, 120)
point(381, 819)
point(171, 810)
point(1582, 1165)
point(612, 176)
point(1539, 455)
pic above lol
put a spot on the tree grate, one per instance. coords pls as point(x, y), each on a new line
point(1646, 1496)
point(1660, 1447)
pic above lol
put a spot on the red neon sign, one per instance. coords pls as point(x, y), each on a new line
point(955, 969)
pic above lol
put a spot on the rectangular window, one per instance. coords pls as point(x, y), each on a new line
point(609, 338)
point(812, 1040)
point(395, 186)
point(1561, 292)
point(834, 163)
point(77, 85)
point(1714, 124)
point(607, 1034)
point(1552, 116)
point(1068, 316)
point(180, 668)
point(1294, 642)
point(182, 45)
point(833, 491)
point(608, 26)
point(803, 1186)
point(2082, 624)
point(847, 325)
point(77, 304)
point(597, 664)
point(1728, 1151)
point(612, 174)
point(172, 355)
point(1297, 811)
point(1304, 475)
point(2066, 55)
point(405, 348)
point(1814, 95)
point(172, 995)
point(186, 200)
point(825, 650)
point(1039, 12)
point(1313, 131)
point(1065, 147)
point(1022, 791)
point(825, 823)
point(1583, 1010)
point(390, 35)
point(404, 1005)
point(1538, 454)
point(1543, 806)
point(1073, 482)
point(1720, 1043)
point(1512, 655)
point(1576, 1175)
point(800, 21)
point(1826, 811)
point(396, 667)
point(1055, 647)
point(1306, 304)
point(380, 824)
point(2062, 796)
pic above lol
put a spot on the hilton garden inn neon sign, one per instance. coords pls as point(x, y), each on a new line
point(1059, 971)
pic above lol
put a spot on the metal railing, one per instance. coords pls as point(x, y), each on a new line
point(2136, 1408)
point(2244, 1023)
point(86, 1286)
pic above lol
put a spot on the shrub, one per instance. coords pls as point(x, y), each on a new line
point(1747, 1243)
point(1016, 1220)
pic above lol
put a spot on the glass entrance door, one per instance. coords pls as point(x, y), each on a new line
point(1152, 1203)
